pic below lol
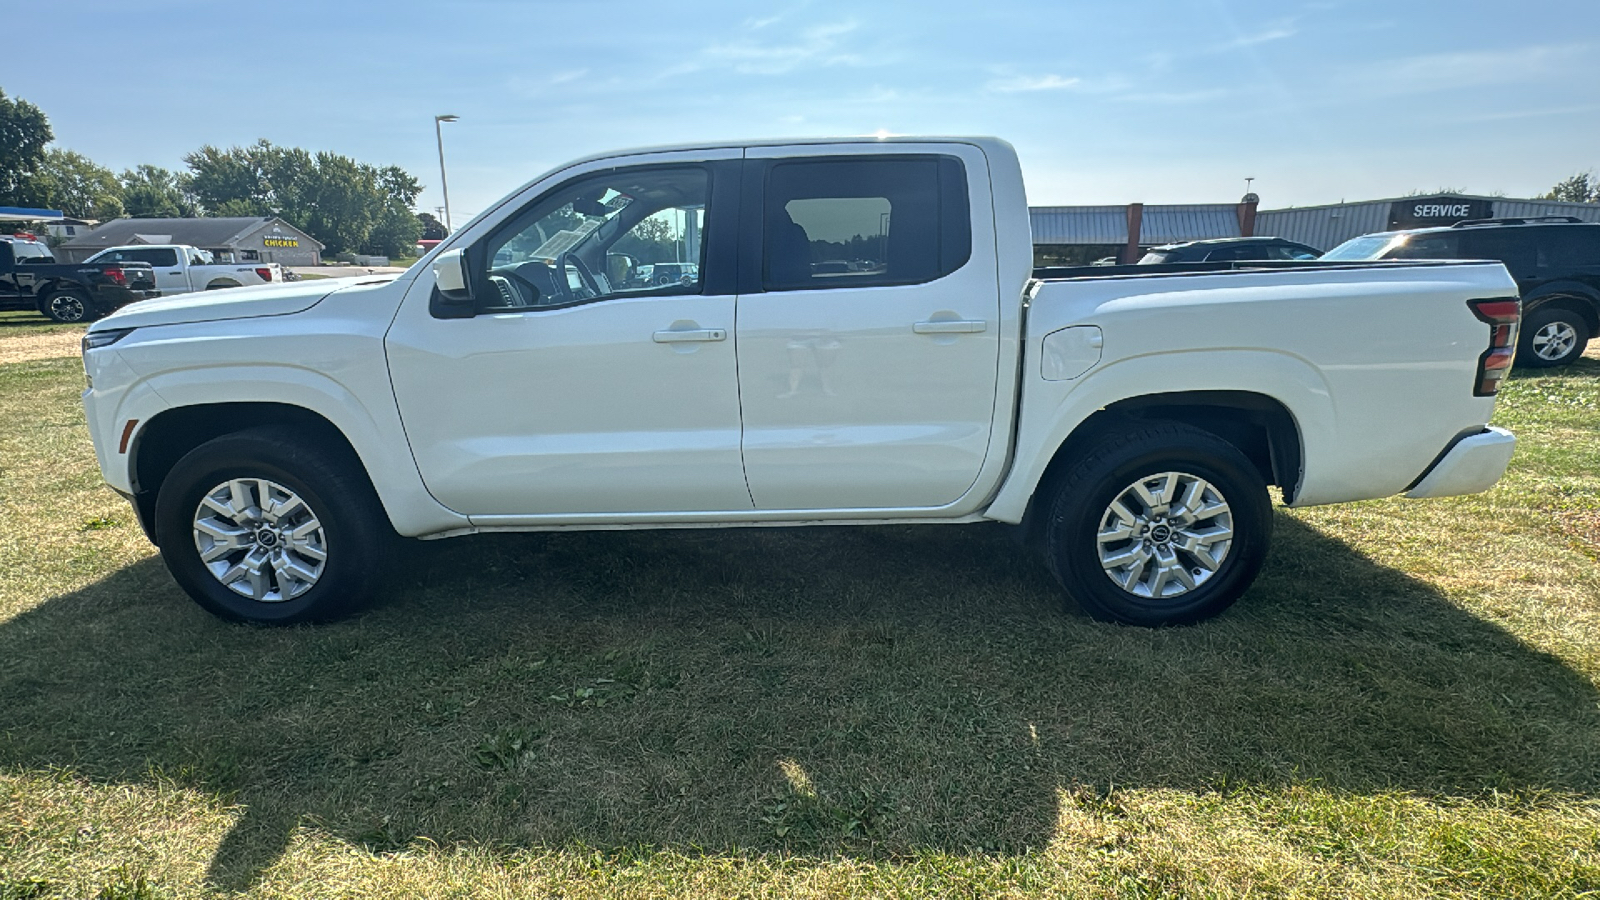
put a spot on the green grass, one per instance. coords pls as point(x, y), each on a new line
point(1407, 704)
point(15, 323)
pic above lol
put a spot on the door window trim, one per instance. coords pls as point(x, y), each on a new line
point(755, 182)
point(719, 240)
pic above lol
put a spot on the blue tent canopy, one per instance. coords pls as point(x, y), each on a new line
point(23, 214)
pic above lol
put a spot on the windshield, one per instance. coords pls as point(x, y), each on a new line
point(1154, 256)
point(1368, 246)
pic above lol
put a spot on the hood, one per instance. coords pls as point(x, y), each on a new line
point(232, 303)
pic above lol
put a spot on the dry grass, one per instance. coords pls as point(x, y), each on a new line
point(1407, 704)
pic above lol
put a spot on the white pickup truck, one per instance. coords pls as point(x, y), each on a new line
point(182, 269)
point(864, 341)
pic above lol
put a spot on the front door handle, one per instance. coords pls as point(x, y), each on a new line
point(691, 334)
point(951, 326)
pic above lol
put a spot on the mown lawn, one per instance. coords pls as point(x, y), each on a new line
point(1407, 704)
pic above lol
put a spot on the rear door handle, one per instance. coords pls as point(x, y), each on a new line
point(691, 334)
point(951, 326)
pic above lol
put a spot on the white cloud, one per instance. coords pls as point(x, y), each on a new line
point(1021, 83)
point(818, 46)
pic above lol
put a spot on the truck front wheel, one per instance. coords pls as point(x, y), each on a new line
point(258, 528)
point(1160, 524)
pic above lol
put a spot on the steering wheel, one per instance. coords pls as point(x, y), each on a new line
point(584, 275)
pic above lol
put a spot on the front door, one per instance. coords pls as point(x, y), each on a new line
point(581, 387)
point(869, 339)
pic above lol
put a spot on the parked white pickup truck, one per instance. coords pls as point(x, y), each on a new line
point(181, 269)
point(864, 340)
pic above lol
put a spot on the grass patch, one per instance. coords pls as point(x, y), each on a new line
point(17, 322)
point(1405, 705)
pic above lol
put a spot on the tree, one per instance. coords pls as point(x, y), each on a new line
point(153, 192)
point(70, 182)
point(1583, 187)
point(432, 228)
point(24, 132)
point(347, 205)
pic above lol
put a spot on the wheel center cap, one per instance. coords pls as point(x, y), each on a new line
point(1161, 534)
point(266, 538)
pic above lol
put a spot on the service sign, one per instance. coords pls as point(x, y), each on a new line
point(1423, 212)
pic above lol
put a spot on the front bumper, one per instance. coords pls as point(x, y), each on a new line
point(1471, 465)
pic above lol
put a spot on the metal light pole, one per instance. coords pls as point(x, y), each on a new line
point(438, 134)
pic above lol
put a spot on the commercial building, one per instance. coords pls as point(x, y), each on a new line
point(249, 239)
point(1078, 235)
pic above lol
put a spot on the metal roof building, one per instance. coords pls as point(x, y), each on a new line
point(246, 239)
point(1326, 227)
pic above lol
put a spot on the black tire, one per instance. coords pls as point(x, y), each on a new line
point(355, 531)
point(1111, 466)
point(69, 307)
point(1552, 336)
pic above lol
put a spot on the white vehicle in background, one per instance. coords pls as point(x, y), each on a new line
point(181, 269)
point(519, 378)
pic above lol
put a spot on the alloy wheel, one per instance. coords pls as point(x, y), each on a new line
point(1555, 340)
point(260, 539)
point(1165, 535)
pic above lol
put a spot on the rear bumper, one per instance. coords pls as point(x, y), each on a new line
point(1471, 465)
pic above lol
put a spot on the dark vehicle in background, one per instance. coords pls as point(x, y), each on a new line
point(1555, 260)
point(657, 274)
point(30, 278)
point(1228, 249)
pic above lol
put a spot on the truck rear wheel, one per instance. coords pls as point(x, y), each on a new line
point(1161, 524)
point(260, 529)
point(1552, 336)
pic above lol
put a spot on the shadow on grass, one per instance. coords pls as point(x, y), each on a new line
point(866, 692)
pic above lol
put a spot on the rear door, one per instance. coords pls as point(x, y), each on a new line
point(868, 325)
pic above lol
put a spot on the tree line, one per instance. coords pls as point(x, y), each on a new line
point(349, 206)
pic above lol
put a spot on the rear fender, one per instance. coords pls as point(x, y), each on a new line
point(1053, 410)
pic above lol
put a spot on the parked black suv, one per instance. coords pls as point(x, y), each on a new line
point(1555, 260)
point(30, 278)
point(1226, 249)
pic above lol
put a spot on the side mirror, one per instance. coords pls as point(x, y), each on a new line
point(452, 289)
point(619, 268)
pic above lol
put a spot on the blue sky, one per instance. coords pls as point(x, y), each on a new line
point(1159, 101)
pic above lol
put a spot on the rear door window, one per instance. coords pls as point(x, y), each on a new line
point(863, 222)
point(1429, 246)
point(1516, 246)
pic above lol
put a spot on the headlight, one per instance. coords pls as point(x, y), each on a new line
point(104, 338)
point(96, 339)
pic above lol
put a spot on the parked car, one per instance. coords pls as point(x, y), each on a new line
point(274, 440)
point(659, 274)
point(1555, 260)
point(1224, 249)
point(30, 278)
point(181, 268)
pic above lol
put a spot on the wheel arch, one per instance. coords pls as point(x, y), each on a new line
point(1260, 426)
point(217, 284)
point(1573, 295)
point(172, 433)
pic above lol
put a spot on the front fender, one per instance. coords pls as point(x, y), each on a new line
point(341, 377)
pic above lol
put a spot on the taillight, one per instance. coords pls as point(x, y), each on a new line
point(265, 273)
point(117, 276)
point(1495, 363)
